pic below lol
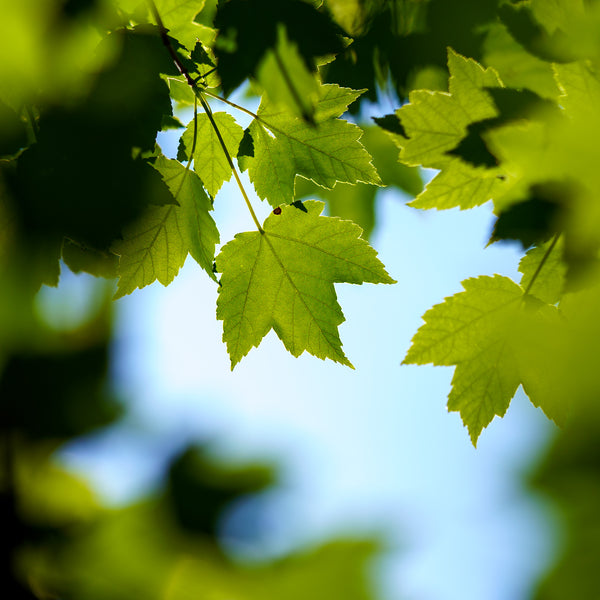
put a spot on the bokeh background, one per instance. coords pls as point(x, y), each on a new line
point(371, 452)
point(136, 464)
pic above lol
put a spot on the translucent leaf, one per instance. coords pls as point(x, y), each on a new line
point(178, 18)
point(483, 386)
point(458, 185)
point(210, 161)
point(546, 264)
point(282, 279)
point(284, 76)
point(580, 87)
point(554, 14)
point(472, 331)
point(156, 246)
point(356, 202)
point(435, 122)
point(516, 67)
point(327, 152)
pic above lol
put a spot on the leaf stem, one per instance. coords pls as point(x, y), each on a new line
point(258, 118)
point(198, 93)
point(189, 162)
point(209, 114)
point(232, 104)
point(542, 262)
point(164, 36)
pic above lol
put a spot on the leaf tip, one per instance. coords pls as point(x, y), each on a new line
point(119, 293)
point(474, 435)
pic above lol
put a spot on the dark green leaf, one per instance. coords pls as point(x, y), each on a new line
point(13, 135)
point(247, 29)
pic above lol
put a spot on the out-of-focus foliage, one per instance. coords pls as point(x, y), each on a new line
point(405, 41)
point(569, 477)
point(52, 387)
point(62, 543)
point(59, 541)
point(500, 97)
point(166, 546)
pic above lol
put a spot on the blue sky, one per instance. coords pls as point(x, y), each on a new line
point(359, 451)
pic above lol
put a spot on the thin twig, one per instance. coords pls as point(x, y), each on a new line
point(198, 93)
point(209, 114)
point(164, 36)
point(189, 162)
point(232, 104)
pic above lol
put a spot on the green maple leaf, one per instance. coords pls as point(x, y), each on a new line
point(580, 89)
point(178, 17)
point(472, 331)
point(210, 161)
point(327, 152)
point(458, 185)
point(356, 202)
point(287, 81)
point(516, 67)
point(435, 122)
point(547, 266)
point(156, 245)
point(282, 278)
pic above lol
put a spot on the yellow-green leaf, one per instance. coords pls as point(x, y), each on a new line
point(435, 122)
point(287, 81)
point(458, 185)
point(210, 161)
point(472, 331)
point(328, 152)
point(156, 245)
point(282, 279)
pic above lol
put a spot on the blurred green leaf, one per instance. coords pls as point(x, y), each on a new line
point(546, 265)
point(140, 551)
point(88, 260)
point(245, 35)
point(517, 68)
point(569, 477)
point(200, 490)
point(286, 79)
